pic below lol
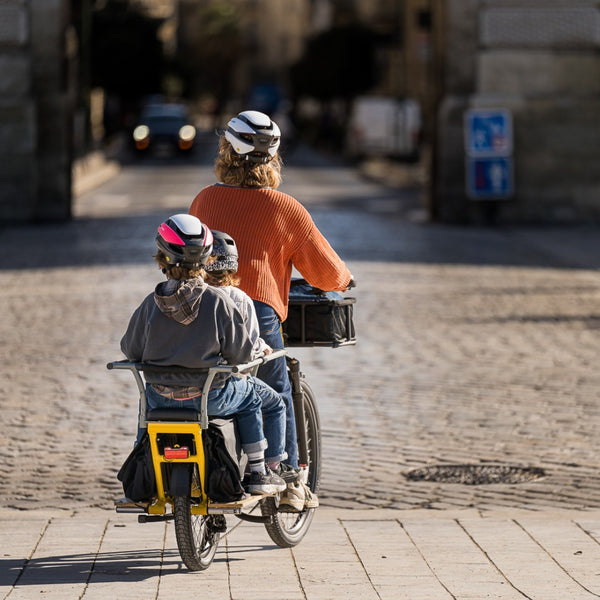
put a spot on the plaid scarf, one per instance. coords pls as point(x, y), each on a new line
point(179, 299)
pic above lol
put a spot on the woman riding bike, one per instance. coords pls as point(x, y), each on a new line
point(273, 233)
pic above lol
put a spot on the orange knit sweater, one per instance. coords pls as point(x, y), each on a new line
point(272, 231)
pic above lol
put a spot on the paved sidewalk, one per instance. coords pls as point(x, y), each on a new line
point(353, 554)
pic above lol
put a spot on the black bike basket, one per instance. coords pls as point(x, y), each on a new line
point(317, 318)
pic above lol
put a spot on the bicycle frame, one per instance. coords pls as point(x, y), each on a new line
point(195, 454)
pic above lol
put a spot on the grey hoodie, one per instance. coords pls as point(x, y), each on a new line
point(186, 323)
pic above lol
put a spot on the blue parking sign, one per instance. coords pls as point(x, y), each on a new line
point(490, 177)
point(488, 132)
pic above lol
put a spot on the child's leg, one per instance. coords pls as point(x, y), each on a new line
point(238, 397)
point(274, 421)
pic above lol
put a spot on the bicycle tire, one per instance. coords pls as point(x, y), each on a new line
point(288, 529)
point(196, 542)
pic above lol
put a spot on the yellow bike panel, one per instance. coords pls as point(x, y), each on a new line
point(177, 427)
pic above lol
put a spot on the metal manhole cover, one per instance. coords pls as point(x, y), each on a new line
point(475, 474)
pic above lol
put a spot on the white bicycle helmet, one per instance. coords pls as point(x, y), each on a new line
point(253, 135)
point(184, 241)
point(225, 252)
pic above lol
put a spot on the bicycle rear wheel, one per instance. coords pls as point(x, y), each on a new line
point(284, 528)
point(197, 541)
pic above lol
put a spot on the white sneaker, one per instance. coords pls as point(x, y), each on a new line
point(297, 497)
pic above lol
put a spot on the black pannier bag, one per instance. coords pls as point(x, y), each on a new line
point(137, 472)
point(317, 318)
point(224, 460)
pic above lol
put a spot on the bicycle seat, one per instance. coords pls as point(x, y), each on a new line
point(173, 414)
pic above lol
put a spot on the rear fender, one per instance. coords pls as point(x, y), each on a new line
point(180, 479)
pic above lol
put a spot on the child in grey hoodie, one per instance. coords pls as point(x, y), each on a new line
point(187, 323)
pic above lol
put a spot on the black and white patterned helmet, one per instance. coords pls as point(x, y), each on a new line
point(225, 254)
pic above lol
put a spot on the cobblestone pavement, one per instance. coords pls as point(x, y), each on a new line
point(475, 346)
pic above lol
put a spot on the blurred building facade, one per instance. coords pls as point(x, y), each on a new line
point(166, 11)
point(541, 62)
point(38, 53)
point(537, 60)
point(262, 37)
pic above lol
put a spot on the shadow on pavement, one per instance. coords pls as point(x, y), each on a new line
point(368, 224)
point(130, 566)
point(354, 233)
point(78, 568)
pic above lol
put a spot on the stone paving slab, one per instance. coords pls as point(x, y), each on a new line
point(348, 554)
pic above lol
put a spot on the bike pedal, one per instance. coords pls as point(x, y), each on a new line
point(218, 525)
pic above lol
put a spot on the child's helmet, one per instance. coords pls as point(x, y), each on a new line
point(253, 135)
point(225, 252)
point(184, 241)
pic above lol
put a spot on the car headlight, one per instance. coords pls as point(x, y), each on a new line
point(187, 133)
point(141, 132)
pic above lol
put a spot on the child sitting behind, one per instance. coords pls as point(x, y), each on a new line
point(220, 271)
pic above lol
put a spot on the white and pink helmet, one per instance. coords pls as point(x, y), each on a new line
point(184, 241)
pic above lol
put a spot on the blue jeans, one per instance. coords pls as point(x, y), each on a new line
point(259, 412)
point(274, 373)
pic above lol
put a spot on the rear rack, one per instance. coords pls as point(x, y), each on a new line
point(139, 367)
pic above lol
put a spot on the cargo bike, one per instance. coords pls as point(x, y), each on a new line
point(177, 441)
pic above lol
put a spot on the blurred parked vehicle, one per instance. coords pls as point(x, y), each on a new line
point(384, 127)
point(164, 127)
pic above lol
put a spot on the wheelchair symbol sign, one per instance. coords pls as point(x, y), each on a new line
point(488, 132)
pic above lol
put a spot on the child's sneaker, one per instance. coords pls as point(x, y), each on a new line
point(259, 483)
point(287, 473)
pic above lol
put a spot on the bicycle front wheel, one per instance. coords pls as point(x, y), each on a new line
point(284, 528)
point(197, 541)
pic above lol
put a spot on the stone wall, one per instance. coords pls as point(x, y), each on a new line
point(540, 60)
point(35, 111)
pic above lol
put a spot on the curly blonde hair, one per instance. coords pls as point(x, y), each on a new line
point(173, 272)
point(221, 279)
point(233, 169)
